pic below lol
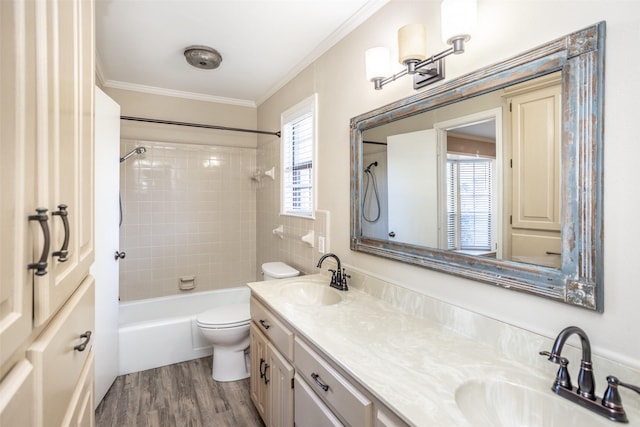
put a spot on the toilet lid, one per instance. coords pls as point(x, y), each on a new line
point(279, 270)
point(228, 315)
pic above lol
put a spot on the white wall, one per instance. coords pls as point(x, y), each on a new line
point(505, 28)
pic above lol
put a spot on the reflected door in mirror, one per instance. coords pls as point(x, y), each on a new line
point(535, 134)
point(412, 176)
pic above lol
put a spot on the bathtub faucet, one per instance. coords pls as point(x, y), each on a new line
point(339, 276)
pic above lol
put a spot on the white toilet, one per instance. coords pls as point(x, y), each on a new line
point(227, 329)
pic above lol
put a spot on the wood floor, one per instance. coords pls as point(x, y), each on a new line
point(178, 395)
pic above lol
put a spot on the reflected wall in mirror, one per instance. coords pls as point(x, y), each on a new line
point(495, 176)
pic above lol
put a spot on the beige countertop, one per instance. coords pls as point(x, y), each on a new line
point(413, 365)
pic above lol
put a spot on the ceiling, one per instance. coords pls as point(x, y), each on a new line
point(263, 43)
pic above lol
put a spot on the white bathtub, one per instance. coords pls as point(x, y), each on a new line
point(160, 331)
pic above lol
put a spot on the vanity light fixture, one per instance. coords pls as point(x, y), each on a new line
point(458, 19)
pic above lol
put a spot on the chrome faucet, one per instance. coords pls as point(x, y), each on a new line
point(338, 276)
point(610, 405)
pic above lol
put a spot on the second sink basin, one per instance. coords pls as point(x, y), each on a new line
point(306, 293)
point(501, 403)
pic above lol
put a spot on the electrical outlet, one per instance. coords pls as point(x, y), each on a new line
point(321, 244)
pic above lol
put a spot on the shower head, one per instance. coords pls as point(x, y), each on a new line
point(368, 168)
point(134, 152)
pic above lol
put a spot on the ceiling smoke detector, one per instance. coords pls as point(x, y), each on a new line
point(203, 57)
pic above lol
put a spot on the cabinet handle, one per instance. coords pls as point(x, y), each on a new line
point(41, 265)
point(83, 345)
point(266, 379)
point(265, 324)
point(261, 363)
point(63, 253)
point(315, 377)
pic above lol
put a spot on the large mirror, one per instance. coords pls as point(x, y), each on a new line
point(495, 176)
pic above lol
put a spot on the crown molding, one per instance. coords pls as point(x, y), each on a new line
point(178, 94)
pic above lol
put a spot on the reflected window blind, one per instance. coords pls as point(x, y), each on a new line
point(469, 204)
point(297, 162)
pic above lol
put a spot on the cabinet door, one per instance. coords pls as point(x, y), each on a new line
point(535, 131)
point(279, 378)
point(257, 385)
point(64, 46)
point(17, 163)
point(16, 396)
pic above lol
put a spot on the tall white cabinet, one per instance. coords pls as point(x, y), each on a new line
point(46, 215)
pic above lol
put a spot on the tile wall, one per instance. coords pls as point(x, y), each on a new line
point(188, 210)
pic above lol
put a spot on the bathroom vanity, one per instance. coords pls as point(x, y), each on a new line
point(380, 355)
point(290, 375)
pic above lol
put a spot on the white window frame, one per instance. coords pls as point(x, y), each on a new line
point(303, 108)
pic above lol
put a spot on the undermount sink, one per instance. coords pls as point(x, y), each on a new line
point(306, 293)
point(498, 403)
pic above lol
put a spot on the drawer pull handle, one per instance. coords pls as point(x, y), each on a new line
point(261, 363)
point(63, 253)
point(266, 379)
point(41, 265)
point(264, 324)
point(83, 345)
point(315, 377)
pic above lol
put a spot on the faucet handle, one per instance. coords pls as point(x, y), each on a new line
point(611, 398)
point(334, 279)
point(345, 276)
point(562, 377)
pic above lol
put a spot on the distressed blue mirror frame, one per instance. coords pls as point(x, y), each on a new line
point(579, 280)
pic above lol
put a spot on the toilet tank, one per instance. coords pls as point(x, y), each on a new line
point(278, 270)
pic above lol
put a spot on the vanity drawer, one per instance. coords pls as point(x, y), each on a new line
point(55, 359)
point(274, 329)
point(310, 411)
point(337, 391)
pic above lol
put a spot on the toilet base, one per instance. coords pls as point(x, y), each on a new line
point(230, 365)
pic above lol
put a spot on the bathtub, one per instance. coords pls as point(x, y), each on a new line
point(161, 331)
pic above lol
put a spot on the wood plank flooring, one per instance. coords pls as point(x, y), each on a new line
point(178, 395)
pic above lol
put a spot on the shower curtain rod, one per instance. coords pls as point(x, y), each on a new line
point(197, 125)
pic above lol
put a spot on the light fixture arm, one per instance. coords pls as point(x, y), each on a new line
point(419, 67)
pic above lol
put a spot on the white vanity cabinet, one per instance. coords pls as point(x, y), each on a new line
point(294, 383)
point(46, 216)
point(271, 383)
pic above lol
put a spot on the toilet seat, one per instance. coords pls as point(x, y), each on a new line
point(226, 317)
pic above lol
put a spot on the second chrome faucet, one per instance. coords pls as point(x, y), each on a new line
point(338, 276)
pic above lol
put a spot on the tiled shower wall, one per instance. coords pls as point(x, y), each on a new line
point(188, 210)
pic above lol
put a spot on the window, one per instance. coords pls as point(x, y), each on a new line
point(298, 155)
point(469, 204)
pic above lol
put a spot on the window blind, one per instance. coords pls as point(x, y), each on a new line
point(469, 204)
point(297, 162)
